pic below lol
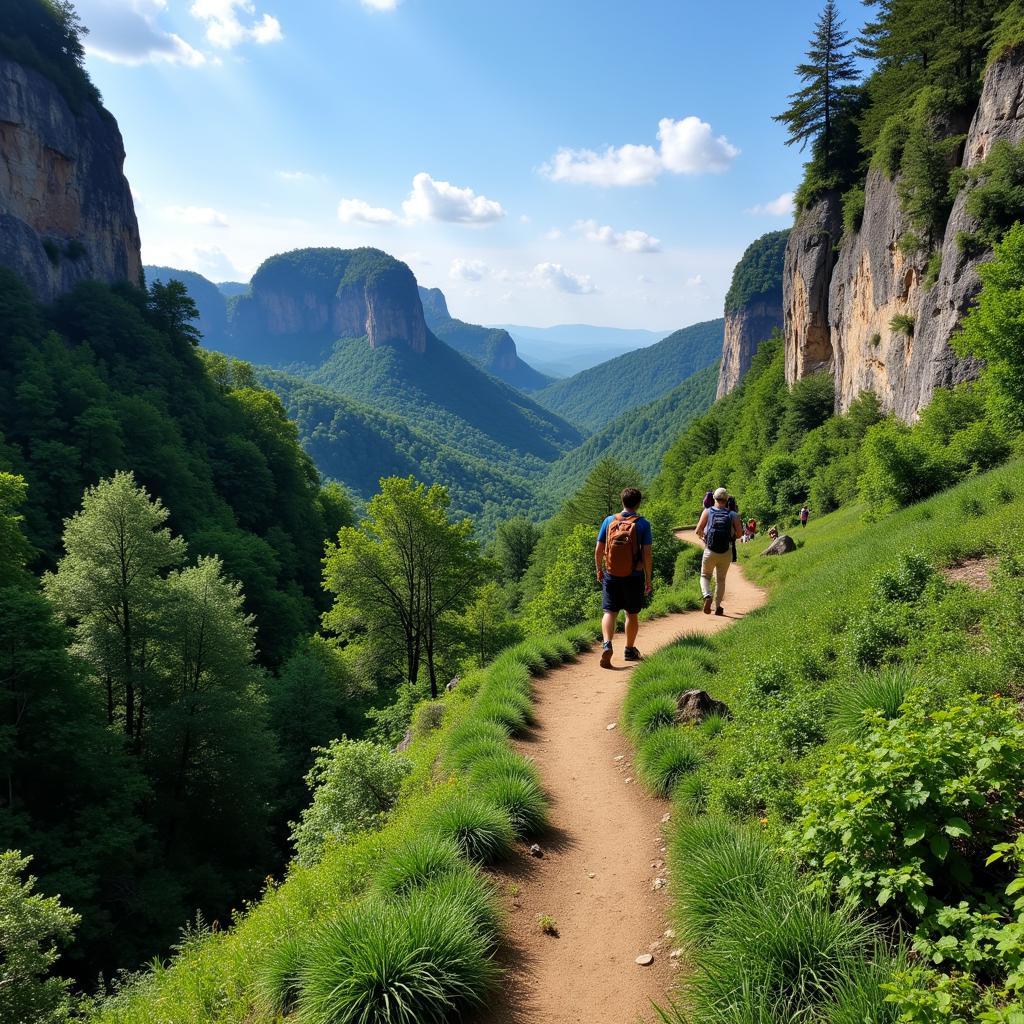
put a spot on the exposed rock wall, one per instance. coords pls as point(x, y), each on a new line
point(839, 317)
point(807, 272)
point(745, 329)
point(66, 212)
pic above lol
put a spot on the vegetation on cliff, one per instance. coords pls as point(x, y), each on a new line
point(758, 275)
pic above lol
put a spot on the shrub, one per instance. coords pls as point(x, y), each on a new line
point(868, 696)
point(664, 757)
point(520, 798)
point(417, 860)
point(875, 634)
point(427, 718)
point(782, 949)
point(717, 866)
point(932, 270)
point(481, 831)
point(418, 963)
point(996, 191)
point(906, 580)
point(902, 323)
point(916, 805)
point(354, 783)
point(853, 209)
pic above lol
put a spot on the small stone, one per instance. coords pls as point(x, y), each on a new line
point(675, 954)
point(536, 851)
point(670, 933)
point(645, 960)
point(590, 874)
point(654, 947)
point(658, 883)
point(620, 757)
point(658, 864)
point(666, 818)
point(610, 726)
point(630, 779)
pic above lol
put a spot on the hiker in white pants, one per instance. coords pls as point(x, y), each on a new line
point(718, 528)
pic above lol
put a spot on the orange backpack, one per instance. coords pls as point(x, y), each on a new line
point(622, 546)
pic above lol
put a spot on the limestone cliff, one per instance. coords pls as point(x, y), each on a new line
point(863, 307)
point(753, 307)
point(301, 302)
point(66, 212)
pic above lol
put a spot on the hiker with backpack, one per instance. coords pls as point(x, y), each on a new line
point(718, 528)
point(624, 566)
point(804, 513)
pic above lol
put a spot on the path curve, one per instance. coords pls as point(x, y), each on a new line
point(604, 852)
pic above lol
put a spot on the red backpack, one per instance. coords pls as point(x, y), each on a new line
point(622, 546)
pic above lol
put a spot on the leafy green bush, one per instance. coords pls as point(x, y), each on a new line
point(414, 963)
point(666, 756)
point(914, 808)
point(906, 580)
point(853, 209)
point(427, 718)
point(354, 784)
point(996, 191)
point(482, 831)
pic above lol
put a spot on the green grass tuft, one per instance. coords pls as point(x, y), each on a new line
point(417, 861)
point(665, 757)
point(520, 798)
point(883, 691)
point(481, 831)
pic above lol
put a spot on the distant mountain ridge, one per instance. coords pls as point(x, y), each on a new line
point(602, 393)
point(490, 347)
point(565, 349)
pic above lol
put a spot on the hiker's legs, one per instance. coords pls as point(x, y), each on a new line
point(712, 562)
point(721, 571)
point(705, 574)
point(632, 626)
point(608, 621)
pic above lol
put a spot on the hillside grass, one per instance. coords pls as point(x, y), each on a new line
point(396, 925)
point(860, 619)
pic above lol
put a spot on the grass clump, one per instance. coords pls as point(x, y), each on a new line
point(520, 798)
point(421, 962)
point(902, 323)
point(658, 711)
point(415, 862)
point(480, 830)
point(872, 693)
point(665, 757)
point(474, 893)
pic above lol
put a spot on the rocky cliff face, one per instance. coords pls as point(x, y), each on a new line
point(745, 329)
point(66, 212)
point(840, 317)
point(301, 302)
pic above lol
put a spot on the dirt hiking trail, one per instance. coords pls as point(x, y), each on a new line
point(604, 853)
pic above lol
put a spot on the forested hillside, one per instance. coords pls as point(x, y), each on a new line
point(595, 397)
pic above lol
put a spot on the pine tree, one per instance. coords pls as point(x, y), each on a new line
point(814, 110)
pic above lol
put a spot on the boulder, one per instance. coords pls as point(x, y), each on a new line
point(782, 545)
point(693, 706)
point(404, 742)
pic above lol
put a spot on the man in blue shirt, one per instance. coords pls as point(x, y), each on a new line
point(624, 565)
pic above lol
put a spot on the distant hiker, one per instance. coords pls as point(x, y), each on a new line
point(709, 499)
point(773, 532)
point(733, 507)
point(751, 530)
point(624, 566)
point(804, 513)
point(718, 528)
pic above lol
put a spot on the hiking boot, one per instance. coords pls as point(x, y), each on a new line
point(707, 605)
point(632, 654)
point(719, 610)
point(606, 656)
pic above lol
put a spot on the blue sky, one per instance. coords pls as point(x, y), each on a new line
point(541, 162)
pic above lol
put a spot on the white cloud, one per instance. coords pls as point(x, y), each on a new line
point(355, 210)
point(197, 216)
point(443, 201)
point(299, 177)
point(468, 270)
point(644, 279)
point(697, 281)
point(231, 22)
point(553, 235)
point(780, 207)
point(380, 5)
point(687, 146)
point(632, 240)
point(209, 260)
point(126, 32)
point(554, 275)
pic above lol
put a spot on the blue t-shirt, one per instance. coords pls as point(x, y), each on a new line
point(643, 532)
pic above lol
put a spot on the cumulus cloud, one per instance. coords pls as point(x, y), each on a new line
point(782, 206)
point(126, 32)
point(687, 146)
point(554, 275)
point(468, 270)
point(197, 216)
point(355, 210)
point(232, 22)
point(432, 200)
point(553, 235)
point(697, 281)
point(380, 5)
point(632, 240)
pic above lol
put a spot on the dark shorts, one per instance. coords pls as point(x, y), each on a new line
point(623, 594)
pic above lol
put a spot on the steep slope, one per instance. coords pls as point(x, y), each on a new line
point(490, 347)
point(209, 300)
point(639, 437)
point(753, 306)
point(66, 212)
point(602, 393)
point(357, 445)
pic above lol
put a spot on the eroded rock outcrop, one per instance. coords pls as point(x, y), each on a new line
point(807, 273)
point(880, 324)
point(66, 212)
